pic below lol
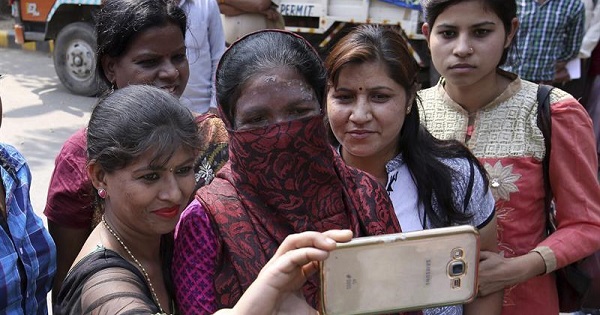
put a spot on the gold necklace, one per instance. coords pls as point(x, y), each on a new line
point(154, 296)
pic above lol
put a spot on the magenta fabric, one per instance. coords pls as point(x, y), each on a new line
point(282, 179)
point(194, 262)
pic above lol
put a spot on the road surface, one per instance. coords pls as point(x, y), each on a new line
point(39, 114)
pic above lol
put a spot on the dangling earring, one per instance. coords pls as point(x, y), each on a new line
point(112, 88)
point(408, 109)
point(102, 193)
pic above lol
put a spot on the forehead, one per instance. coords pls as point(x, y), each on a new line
point(466, 12)
point(158, 156)
point(163, 38)
point(274, 88)
point(363, 71)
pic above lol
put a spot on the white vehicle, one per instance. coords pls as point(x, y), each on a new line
point(324, 22)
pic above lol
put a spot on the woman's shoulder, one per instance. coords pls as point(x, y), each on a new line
point(562, 103)
point(429, 94)
point(465, 174)
point(458, 164)
point(465, 170)
point(74, 148)
point(98, 259)
point(100, 274)
point(92, 264)
point(194, 209)
point(194, 221)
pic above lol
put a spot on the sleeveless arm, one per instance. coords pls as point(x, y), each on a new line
point(194, 262)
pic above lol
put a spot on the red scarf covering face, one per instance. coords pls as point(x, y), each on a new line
point(282, 179)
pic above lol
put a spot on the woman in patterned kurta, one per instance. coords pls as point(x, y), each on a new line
point(494, 113)
point(282, 177)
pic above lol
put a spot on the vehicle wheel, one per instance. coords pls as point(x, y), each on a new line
point(75, 59)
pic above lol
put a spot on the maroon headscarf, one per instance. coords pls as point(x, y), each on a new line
point(282, 179)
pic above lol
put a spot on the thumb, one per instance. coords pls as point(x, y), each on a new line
point(484, 255)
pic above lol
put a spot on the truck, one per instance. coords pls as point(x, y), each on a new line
point(70, 24)
point(324, 22)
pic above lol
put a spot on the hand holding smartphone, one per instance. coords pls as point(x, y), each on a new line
point(400, 272)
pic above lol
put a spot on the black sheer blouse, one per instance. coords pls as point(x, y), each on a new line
point(104, 283)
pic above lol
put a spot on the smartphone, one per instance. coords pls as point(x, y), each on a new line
point(401, 272)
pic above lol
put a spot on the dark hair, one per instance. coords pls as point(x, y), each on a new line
point(421, 152)
point(119, 21)
point(260, 52)
point(506, 10)
point(136, 120)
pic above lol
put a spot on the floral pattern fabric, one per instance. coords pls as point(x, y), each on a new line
point(508, 142)
point(283, 179)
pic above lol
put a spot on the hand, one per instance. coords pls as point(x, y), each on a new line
point(297, 258)
point(276, 289)
point(271, 14)
point(493, 272)
point(561, 74)
point(497, 272)
point(294, 303)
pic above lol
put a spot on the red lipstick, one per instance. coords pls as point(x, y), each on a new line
point(168, 212)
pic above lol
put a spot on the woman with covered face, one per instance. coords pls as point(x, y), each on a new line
point(283, 176)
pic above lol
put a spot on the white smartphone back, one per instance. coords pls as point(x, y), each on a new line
point(399, 272)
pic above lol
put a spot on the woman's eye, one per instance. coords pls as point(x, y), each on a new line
point(380, 98)
point(301, 111)
point(179, 58)
point(253, 120)
point(183, 170)
point(150, 177)
point(343, 98)
point(447, 34)
point(482, 32)
point(147, 63)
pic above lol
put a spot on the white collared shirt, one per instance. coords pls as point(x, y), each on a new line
point(205, 43)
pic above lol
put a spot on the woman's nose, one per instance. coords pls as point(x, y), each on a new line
point(169, 71)
point(171, 190)
point(463, 47)
point(361, 112)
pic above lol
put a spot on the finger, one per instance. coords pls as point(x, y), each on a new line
point(299, 240)
point(299, 258)
point(339, 236)
point(310, 268)
point(484, 255)
point(326, 240)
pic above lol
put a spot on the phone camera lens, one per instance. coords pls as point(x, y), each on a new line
point(457, 253)
point(457, 268)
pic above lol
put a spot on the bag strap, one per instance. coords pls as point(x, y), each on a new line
point(544, 122)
